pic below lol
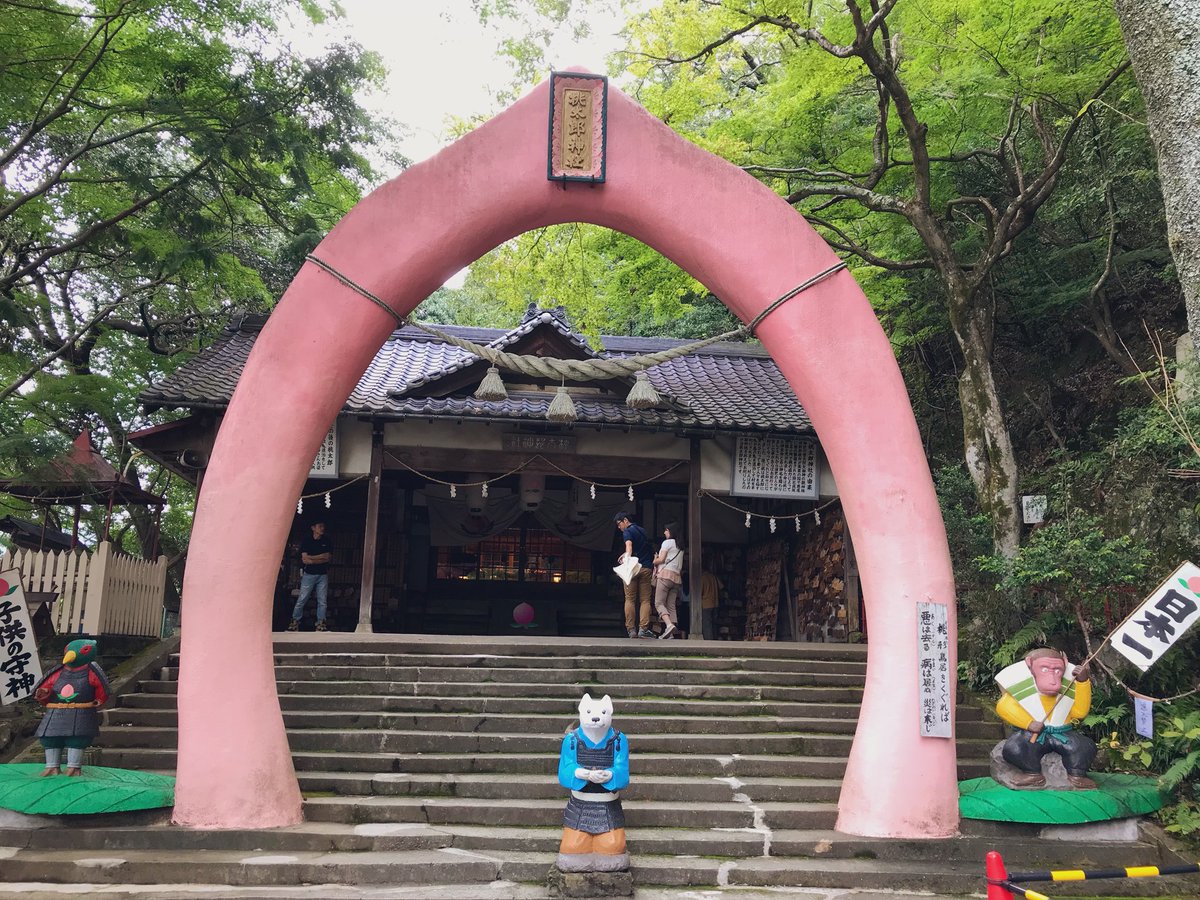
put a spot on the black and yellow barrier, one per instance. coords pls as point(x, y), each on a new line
point(1004, 885)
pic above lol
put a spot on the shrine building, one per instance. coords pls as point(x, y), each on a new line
point(447, 511)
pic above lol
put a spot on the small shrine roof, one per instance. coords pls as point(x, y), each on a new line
point(81, 475)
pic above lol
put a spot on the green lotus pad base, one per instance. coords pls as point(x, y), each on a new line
point(97, 790)
point(1116, 797)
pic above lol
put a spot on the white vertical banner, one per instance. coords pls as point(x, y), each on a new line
point(1161, 620)
point(933, 669)
point(1143, 716)
point(326, 463)
point(20, 668)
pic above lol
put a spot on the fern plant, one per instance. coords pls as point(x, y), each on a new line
point(1175, 752)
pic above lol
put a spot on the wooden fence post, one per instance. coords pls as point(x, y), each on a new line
point(97, 584)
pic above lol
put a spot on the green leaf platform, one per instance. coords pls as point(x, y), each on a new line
point(1116, 797)
point(97, 790)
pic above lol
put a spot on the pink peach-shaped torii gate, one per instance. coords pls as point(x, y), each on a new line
point(743, 242)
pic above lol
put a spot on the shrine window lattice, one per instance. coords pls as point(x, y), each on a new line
point(547, 559)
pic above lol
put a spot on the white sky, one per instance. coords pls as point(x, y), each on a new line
point(444, 63)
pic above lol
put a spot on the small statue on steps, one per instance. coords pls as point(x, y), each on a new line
point(72, 693)
point(594, 766)
point(1043, 709)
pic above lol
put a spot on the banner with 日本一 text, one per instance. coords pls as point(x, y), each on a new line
point(1161, 620)
point(20, 668)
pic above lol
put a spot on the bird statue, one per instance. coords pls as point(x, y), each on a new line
point(72, 693)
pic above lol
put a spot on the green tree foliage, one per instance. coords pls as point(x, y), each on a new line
point(609, 282)
point(920, 138)
point(158, 161)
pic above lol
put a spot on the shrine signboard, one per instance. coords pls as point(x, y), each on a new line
point(325, 465)
point(775, 467)
point(933, 669)
point(20, 668)
point(578, 127)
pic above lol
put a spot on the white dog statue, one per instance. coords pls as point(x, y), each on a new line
point(594, 766)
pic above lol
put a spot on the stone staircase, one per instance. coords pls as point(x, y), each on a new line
point(430, 762)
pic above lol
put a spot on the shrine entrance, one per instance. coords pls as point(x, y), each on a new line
point(733, 234)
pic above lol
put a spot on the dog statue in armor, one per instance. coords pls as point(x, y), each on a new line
point(594, 767)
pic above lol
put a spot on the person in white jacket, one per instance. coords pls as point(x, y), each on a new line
point(668, 579)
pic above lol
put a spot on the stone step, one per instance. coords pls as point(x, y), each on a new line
point(534, 812)
point(669, 662)
point(569, 692)
point(740, 766)
point(235, 868)
point(321, 837)
point(536, 648)
point(451, 866)
point(452, 724)
point(750, 766)
point(508, 723)
point(545, 786)
point(492, 890)
point(369, 740)
point(544, 705)
point(539, 677)
point(1028, 853)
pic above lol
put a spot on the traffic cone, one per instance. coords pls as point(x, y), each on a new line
point(996, 874)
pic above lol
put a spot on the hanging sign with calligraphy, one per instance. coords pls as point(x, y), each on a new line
point(578, 127)
point(933, 669)
point(20, 668)
point(326, 463)
point(1161, 620)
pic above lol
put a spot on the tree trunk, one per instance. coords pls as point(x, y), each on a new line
point(987, 444)
point(1163, 39)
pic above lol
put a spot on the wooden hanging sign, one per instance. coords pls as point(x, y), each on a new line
point(578, 127)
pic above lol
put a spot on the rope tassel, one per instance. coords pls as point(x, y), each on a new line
point(562, 407)
point(642, 395)
point(492, 386)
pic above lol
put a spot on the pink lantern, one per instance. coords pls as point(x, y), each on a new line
point(523, 615)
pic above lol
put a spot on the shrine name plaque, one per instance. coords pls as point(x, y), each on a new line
point(578, 127)
point(540, 443)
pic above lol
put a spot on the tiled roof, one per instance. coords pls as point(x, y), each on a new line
point(722, 387)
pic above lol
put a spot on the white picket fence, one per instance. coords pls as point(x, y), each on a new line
point(105, 592)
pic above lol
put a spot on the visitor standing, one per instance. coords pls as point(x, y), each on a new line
point(637, 591)
point(710, 598)
point(668, 580)
point(315, 554)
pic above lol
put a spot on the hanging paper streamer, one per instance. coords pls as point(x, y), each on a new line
point(631, 493)
point(1143, 716)
point(797, 524)
point(747, 520)
point(300, 507)
point(483, 489)
point(772, 524)
point(328, 501)
point(817, 516)
point(453, 491)
point(593, 491)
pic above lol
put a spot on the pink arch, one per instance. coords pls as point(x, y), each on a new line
point(403, 241)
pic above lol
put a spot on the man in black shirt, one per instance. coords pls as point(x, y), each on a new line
point(315, 554)
point(637, 592)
